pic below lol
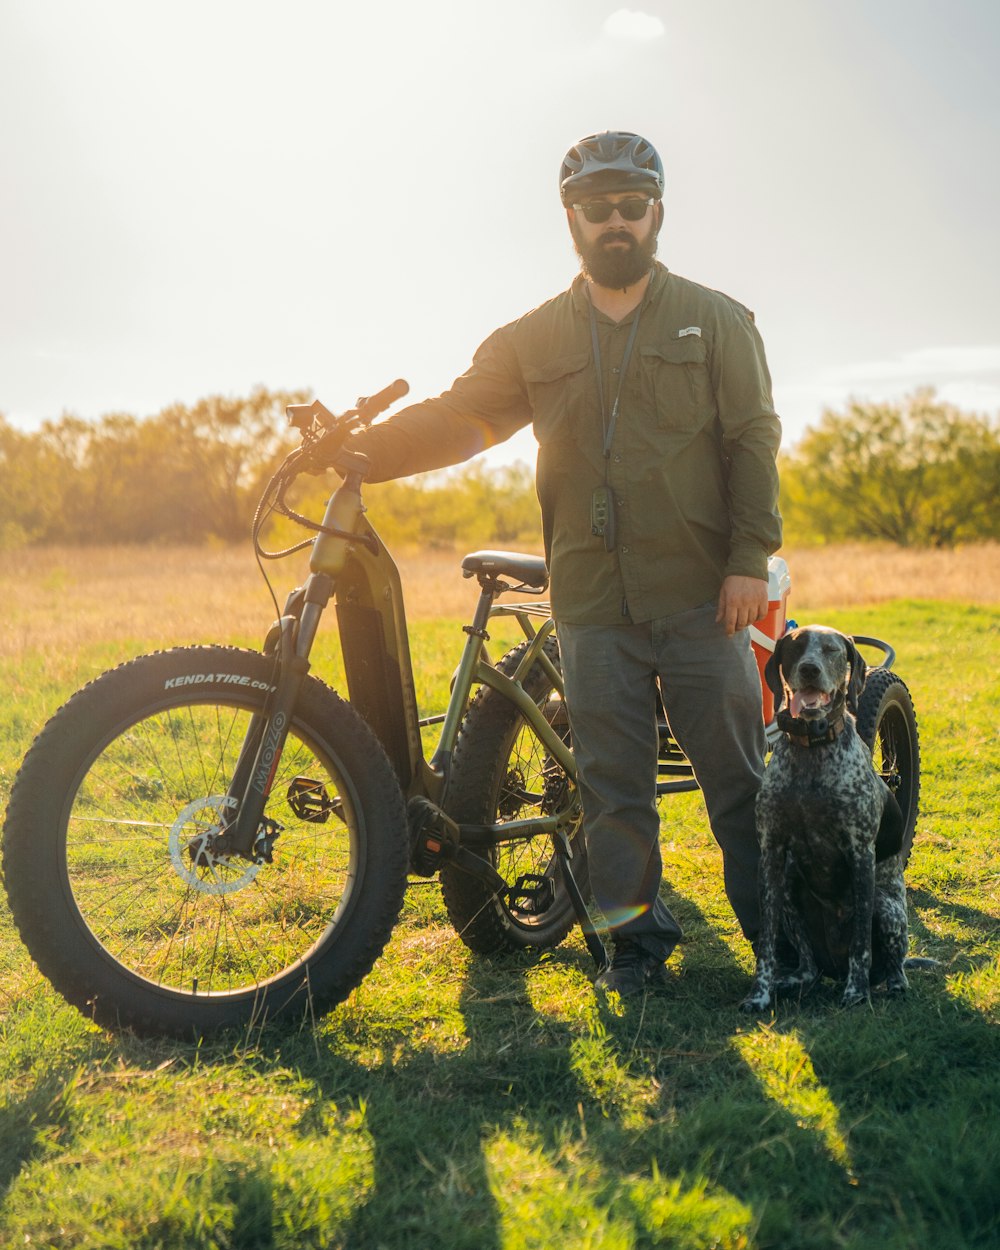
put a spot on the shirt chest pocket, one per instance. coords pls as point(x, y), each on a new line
point(675, 382)
point(558, 393)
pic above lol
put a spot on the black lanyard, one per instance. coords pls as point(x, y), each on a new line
point(609, 426)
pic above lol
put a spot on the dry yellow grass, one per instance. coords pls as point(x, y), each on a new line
point(867, 573)
point(65, 598)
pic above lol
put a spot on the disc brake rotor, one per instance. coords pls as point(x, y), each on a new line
point(191, 852)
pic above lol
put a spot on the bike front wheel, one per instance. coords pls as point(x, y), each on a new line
point(502, 772)
point(109, 861)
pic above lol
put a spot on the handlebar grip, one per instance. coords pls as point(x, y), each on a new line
point(370, 406)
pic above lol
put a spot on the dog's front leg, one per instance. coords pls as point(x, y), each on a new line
point(859, 962)
point(772, 864)
point(806, 974)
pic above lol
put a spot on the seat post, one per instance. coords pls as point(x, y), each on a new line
point(490, 587)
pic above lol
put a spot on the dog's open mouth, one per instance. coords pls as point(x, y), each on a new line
point(808, 702)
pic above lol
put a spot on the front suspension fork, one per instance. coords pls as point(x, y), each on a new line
point(290, 640)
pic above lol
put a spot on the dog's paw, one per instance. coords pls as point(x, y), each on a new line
point(799, 983)
point(755, 1004)
point(854, 996)
point(896, 983)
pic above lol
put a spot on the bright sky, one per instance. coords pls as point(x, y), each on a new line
point(203, 195)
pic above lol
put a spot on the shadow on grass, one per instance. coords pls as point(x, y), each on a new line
point(905, 1081)
point(552, 1114)
point(979, 928)
point(641, 1117)
point(27, 1121)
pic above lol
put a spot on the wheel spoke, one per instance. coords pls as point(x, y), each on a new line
point(230, 924)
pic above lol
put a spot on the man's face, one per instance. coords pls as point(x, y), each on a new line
point(615, 253)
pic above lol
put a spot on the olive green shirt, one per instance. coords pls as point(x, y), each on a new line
point(691, 465)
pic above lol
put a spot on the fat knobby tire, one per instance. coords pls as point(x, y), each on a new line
point(86, 902)
point(500, 771)
point(887, 724)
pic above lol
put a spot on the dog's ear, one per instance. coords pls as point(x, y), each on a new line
point(859, 675)
point(772, 675)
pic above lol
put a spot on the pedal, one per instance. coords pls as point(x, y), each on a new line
point(310, 801)
point(531, 894)
point(432, 841)
point(426, 853)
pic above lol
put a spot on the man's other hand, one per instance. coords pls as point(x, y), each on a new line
point(742, 600)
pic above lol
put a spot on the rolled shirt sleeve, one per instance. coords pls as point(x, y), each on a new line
point(751, 435)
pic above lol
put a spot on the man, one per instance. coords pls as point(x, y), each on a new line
point(651, 402)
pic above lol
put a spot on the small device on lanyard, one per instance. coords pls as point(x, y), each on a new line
point(602, 516)
point(602, 502)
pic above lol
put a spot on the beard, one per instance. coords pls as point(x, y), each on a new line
point(617, 267)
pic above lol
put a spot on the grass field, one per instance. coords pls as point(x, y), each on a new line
point(458, 1102)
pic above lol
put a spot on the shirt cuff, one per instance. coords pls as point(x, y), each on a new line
point(747, 560)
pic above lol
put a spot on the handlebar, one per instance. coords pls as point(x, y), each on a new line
point(324, 434)
point(304, 416)
point(370, 407)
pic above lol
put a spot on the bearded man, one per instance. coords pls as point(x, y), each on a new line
point(650, 398)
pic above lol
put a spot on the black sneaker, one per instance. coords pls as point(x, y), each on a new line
point(632, 970)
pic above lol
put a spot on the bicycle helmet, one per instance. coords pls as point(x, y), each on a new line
point(615, 160)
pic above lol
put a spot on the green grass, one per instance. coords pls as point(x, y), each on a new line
point(459, 1102)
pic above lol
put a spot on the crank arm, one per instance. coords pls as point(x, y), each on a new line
point(596, 947)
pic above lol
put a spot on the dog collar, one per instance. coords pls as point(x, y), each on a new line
point(810, 733)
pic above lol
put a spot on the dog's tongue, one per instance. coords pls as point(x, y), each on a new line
point(808, 698)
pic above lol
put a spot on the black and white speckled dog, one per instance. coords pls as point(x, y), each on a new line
point(831, 878)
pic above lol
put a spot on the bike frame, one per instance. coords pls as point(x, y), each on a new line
point(350, 565)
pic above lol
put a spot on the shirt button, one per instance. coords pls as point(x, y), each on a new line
point(625, 551)
point(621, 503)
point(616, 370)
point(618, 459)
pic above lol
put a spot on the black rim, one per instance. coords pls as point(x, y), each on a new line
point(893, 758)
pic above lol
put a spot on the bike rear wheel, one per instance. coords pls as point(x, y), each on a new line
point(111, 874)
point(887, 724)
point(503, 772)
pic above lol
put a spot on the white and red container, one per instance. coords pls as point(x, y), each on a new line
point(765, 632)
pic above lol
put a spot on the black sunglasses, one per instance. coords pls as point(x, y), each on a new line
point(598, 211)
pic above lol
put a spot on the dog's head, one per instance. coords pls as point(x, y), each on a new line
point(817, 672)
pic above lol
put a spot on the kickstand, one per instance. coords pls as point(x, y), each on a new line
point(590, 935)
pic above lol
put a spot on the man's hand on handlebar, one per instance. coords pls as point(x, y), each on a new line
point(330, 449)
point(324, 453)
point(333, 451)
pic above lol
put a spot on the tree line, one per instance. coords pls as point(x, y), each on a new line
point(918, 472)
point(188, 474)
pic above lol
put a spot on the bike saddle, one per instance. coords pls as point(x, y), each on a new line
point(529, 570)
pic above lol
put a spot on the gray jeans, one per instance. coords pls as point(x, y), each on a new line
point(711, 693)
